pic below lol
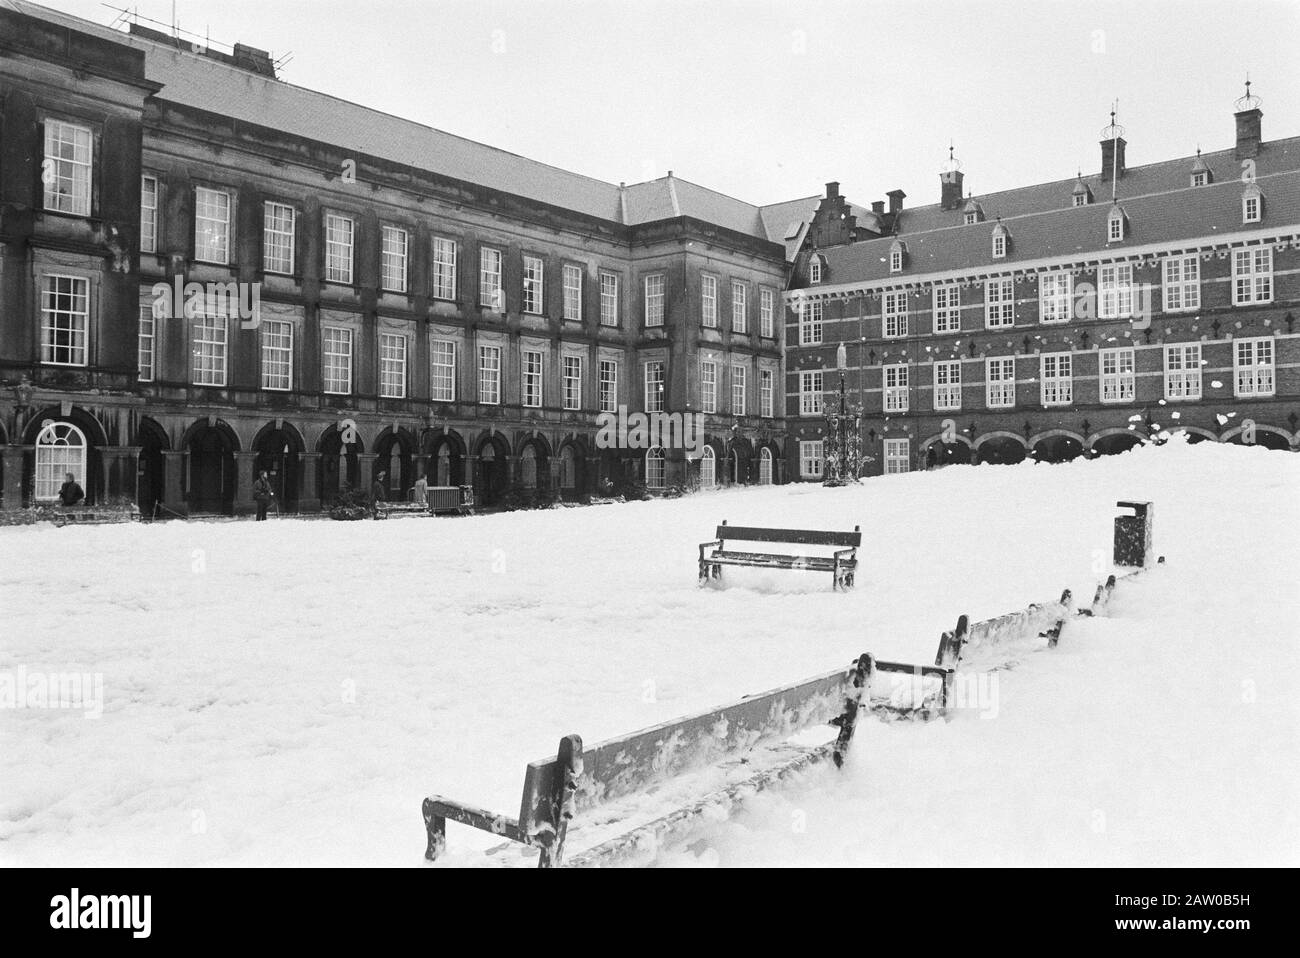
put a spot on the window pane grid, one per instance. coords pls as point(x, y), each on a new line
point(211, 225)
point(572, 382)
point(339, 234)
point(392, 366)
point(68, 163)
point(337, 360)
point(444, 268)
point(1000, 383)
point(394, 253)
point(442, 374)
point(533, 285)
point(1057, 382)
point(489, 375)
point(654, 387)
point(277, 354)
point(608, 386)
point(210, 350)
point(573, 294)
point(146, 340)
point(654, 300)
point(608, 299)
point(65, 318)
point(1117, 375)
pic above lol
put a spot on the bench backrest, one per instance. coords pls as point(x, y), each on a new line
point(803, 537)
point(627, 764)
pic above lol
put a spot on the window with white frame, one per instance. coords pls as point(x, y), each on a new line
point(1000, 382)
point(1183, 371)
point(739, 382)
point(1253, 367)
point(815, 269)
point(489, 375)
point(69, 159)
point(1252, 204)
point(336, 360)
point(210, 340)
point(278, 238)
point(766, 393)
point(489, 279)
point(393, 258)
point(709, 301)
point(999, 303)
point(572, 374)
point(608, 385)
point(1056, 372)
point(765, 466)
point(654, 386)
point(656, 476)
point(895, 379)
point(1055, 297)
point(766, 312)
point(531, 366)
point(810, 324)
point(211, 225)
point(1117, 368)
point(947, 384)
point(810, 393)
point(1200, 178)
point(810, 459)
point(146, 345)
point(708, 468)
point(392, 366)
point(898, 456)
point(608, 299)
point(340, 233)
point(60, 449)
point(572, 293)
point(277, 354)
point(65, 320)
point(1182, 286)
point(999, 242)
point(970, 219)
point(739, 308)
point(654, 300)
point(1115, 293)
point(708, 387)
point(896, 259)
point(442, 371)
point(534, 285)
point(148, 214)
point(894, 314)
point(947, 309)
point(1080, 199)
point(444, 268)
point(1252, 276)
point(1115, 225)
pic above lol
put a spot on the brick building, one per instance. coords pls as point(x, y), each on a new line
point(1067, 318)
point(377, 296)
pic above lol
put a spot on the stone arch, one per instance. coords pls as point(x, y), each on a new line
point(491, 467)
point(1056, 445)
point(938, 452)
point(211, 444)
point(151, 466)
point(279, 447)
point(1196, 434)
point(1001, 448)
point(534, 454)
point(1279, 439)
point(340, 463)
point(446, 450)
point(395, 452)
point(571, 473)
point(93, 479)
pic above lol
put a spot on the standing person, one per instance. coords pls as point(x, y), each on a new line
point(262, 495)
point(377, 492)
point(421, 491)
point(70, 493)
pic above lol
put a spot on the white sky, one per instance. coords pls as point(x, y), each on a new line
point(769, 99)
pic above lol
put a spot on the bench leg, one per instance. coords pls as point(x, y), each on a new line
point(436, 826)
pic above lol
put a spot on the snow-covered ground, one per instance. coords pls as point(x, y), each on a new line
point(288, 692)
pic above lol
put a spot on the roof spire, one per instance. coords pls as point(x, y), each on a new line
point(1249, 101)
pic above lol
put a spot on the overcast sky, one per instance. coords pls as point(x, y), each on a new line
point(769, 99)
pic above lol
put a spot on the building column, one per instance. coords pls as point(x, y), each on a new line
point(13, 469)
point(173, 498)
point(245, 463)
point(469, 476)
point(366, 463)
point(421, 465)
point(512, 471)
point(121, 470)
point(308, 498)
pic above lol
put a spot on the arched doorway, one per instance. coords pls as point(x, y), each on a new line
point(1001, 451)
point(939, 454)
point(446, 459)
point(708, 468)
point(278, 449)
point(340, 464)
point(491, 468)
point(1059, 448)
point(534, 465)
point(61, 450)
point(656, 468)
point(393, 458)
point(572, 471)
point(151, 468)
point(1264, 438)
point(765, 466)
point(1115, 443)
point(212, 477)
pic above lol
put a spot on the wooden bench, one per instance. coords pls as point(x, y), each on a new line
point(385, 509)
point(842, 564)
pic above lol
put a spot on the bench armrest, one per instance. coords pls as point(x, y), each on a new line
point(707, 545)
point(851, 552)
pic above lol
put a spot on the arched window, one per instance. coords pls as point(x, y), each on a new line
point(1116, 226)
point(654, 468)
point(568, 468)
point(765, 467)
point(1001, 240)
point(528, 467)
point(60, 449)
point(708, 469)
point(1252, 204)
point(815, 269)
point(897, 254)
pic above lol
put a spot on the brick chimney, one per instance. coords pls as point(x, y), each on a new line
point(1112, 157)
point(896, 198)
point(1248, 118)
point(878, 207)
point(950, 188)
point(832, 190)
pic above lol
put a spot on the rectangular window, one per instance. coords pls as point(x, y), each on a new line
point(739, 382)
point(1252, 276)
point(709, 387)
point(810, 324)
point(340, 232)
point(709, 301)
point(393, 259)
point(66, 174)
point(489, 375)
point(895, 379)
point(739, 308)
point(1117, 374)
point(444, 268)
point(654, 387)
point(947, 309)
point(1055, 297)
point(1183, 371)
point(810, 459)
point(608, 385)
point(1000, 382)
point(573, 293)
point(766, 393)
point(336, 356)
point(65, 320)
point(898, 456)
point(211, 225)
point(210, 333)
point(278, 238)
point(442, 371)
point(1057, 379)
point(1253, 365)
point(532, 378)
point(1115, 291)
point(572, 382)
point(894, 312)
point(392, 366)
point(146, 345)
point(148, 214)
point(534, 274)
point(277, 354)
point(609, 299)
point(654, 300)
point(1182, 283)
point(767, 313)
point(489, 279)
point(999, 303)
point(810, 394)
point(947, 385)
point(1250, 209)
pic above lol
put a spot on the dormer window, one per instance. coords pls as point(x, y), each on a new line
point(1116, 225)
point(1252, 204)
point(1200, 178)
point(971, 218)
point(1200, 172)
point(815, 269)
point(972, 212)
point(1001, 240)
point(1080, 199)
point(1081, 195)
point(897, 254)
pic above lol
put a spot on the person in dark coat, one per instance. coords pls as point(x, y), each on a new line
point(262, 495)
point(70, 493)
point(378, 492)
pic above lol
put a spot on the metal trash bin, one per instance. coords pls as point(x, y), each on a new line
point(1133, 542)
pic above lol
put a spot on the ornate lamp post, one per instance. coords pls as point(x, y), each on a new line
point(843, 442)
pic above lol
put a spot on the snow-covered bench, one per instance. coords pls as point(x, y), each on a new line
point(842, 564)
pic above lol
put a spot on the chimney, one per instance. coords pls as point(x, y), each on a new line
point(896, 198)
point(950, 195)
point(1248, 117)
point(254, 60)
point(1112, 157)
point(878, 207)
point(832, 190)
